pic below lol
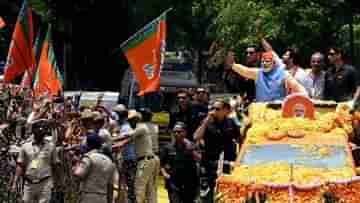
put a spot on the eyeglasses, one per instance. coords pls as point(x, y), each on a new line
point(181, 97)
point(266, 62)
point(249, 52)
point(215, 108)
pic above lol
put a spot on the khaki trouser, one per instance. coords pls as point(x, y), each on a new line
point(93, 198)
point(155, 175)
point(145, 181)
point(38, 192)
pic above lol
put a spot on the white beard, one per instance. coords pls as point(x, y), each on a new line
point(266, 70)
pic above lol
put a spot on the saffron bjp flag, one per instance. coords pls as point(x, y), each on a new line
point(2, 23)
point(48, 80)
point(145, 53)
point(28, 77)
point(20, 55)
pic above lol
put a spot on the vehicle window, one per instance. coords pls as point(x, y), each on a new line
point(2, 66)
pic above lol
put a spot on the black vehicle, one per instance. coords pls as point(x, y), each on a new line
point(175, 74)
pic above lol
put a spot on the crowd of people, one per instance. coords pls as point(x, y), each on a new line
point(115, 153)
point(328, 78)
point(106, 149)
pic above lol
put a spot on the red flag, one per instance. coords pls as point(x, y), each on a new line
point(48, 80)
point(145, 53)
point(20, 56)
point(2, 23)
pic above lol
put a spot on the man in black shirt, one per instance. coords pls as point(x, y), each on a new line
point(199, 107)
point(252, 61)
point(219, 134)
point(183, 112)
point(190, 113)
point(178, 167)
point(341, 80)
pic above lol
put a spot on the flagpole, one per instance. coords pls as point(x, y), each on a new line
point(132, 86)
point(143, 28)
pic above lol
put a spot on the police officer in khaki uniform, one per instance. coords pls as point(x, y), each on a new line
point(99, 123)
point(126, 158)
point(154, 128)
point(153, 131)
point(96, 172)
point(36, 163)
point(141, 137)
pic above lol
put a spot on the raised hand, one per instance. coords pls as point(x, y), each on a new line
point(229, 60)
point(259, 34)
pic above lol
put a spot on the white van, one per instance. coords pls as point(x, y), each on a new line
point(89, 98)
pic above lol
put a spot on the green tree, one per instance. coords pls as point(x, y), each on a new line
point(306, 24)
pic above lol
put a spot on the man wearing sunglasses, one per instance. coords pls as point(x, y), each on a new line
point(178, 167)
point(219, 134)
point(271, 80)
point(252, 60)
point(252, 56)
point(199, 108)
point(201, 96)
point(341, 80)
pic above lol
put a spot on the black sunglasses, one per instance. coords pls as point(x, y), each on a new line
point(249, 52)
point(181, 97)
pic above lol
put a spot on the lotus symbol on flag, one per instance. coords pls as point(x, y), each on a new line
point(162, 53)
point(149, 70)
